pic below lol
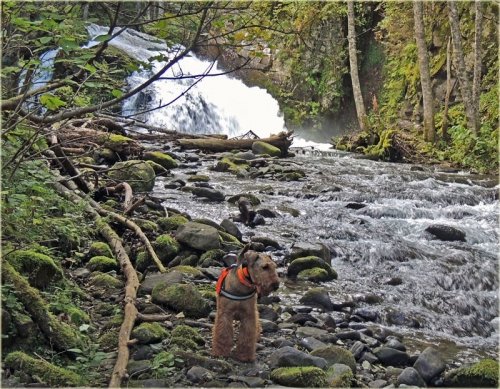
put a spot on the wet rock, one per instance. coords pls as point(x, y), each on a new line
point(400, 318)
point(429, 364)
point(193, 359)
point(168, 224)
point(289, 356)
point(335, 354)
point(357, 349)
point(143, 352)
point(317, 297)
point(266, 241)
point(306, 377)
point(302, 318)
point(367, 314)
point(305, 249)
point(394, 281)
point(268, 326)
point(254, 200)
point(391, 357)
point(135, 368)
point(160, 158)
point(139, 174)
point(479, 375)
point(267, 313)
point(315, 274)
point(198, 374)
point(410, 377)
point(310, 343)
point(355, 205)
point(353, 335)
point(249, 382)
point(377, 384)
point(211, 194)
point(368, 357)
point(267, 213)
point(231, 228)
point(181, 298)
point(175, 184)
point(314, 332)
point(446, 233)
point(394, 342)
point(303, 263)
point(199, 236)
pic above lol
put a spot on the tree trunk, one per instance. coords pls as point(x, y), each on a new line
point(463, 79)
point(449, 88)
point(282, 141)
point(353, 62)
point(476, 82)
point(425, 76)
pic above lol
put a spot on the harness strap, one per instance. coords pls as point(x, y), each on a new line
point(243, 276)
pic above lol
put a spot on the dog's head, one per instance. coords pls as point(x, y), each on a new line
point(262, 271)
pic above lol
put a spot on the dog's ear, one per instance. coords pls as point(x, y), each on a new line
point(241, 255)
point(250, 258)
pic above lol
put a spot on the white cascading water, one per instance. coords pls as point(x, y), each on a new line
point(217, 104)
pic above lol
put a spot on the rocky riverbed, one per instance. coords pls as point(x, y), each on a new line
point(353, 309)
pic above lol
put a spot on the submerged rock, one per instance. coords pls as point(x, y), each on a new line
point(446, 233)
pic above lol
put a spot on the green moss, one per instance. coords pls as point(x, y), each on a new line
point(108, 341)
point(340, 379)
point(103, 264)
point(300, 377)
point(138, 174)
point(212, 258)
point(181, 298)
point(189, 270)
point(115, 321)
point(316, 274)
point(157, 168)
point(146, 225)
point(100, 249)
point(184, 343)
point(335, 354)
point(166, 248)
point(171, 223)
point(40, 269)
point(190, 260)
point(147, 333)
point(143, 260)
point(198, 178)
point(260, 147)
point(310, 262)
point(105, 280)
point(116, 142)
point(227, 164)
point(184, 331)
point(48, 373)
point(161, 158)
point(77, 316)
point(482, 374)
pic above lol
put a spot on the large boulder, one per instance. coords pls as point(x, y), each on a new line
point(335, 354)
point(391, 357)
point(147, 333)
point(181, 298)
point(317, 297)
point(410, 377)
point(300, 377)
point(40, 269)
point(166, 248)
point(479, 375)
point(198, 236)
point(139, 174)
point(306, 249)
point(300, 264)
point(429, 364)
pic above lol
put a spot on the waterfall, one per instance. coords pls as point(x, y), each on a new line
point(217, 104)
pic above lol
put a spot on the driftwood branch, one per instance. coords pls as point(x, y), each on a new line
point(152, 317)
point(125, 187)
point(133, 206)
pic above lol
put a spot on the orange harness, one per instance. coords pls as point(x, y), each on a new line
point(243, 276)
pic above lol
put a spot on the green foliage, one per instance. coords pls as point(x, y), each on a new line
point(87, 362)
point(163, 364)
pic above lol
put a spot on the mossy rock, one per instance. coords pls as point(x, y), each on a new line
point(188, 270)
point(138, 174)
point(171, 223)
point(166, 247)
point(181, 298)
point(198, 178)
point(109, 340)
point(315, 274)
point(105, 281)
point(159, 170)
point(190, 260)
point(143, 260)
point(146, 225)
point(76, 315)
point(100, 249)
point(336, 354)
point(40, 269)
point(231, 165)
point(106, 154)
point(292, 176)
point(300, 264)
point(212, 258)
point(119, 143)
point(300, 377)
point(228, 238)
point(162, 159)
point(480, 375)
point(340, 376)
point(44, 371)
point(260, 147)
point(103, 264)
point(183, 344)
point(187, 332)
point(147, 333)
point(254, 200)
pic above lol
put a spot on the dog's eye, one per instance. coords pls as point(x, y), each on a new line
point(265, 267)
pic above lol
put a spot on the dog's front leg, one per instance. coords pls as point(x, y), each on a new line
point(222, 336)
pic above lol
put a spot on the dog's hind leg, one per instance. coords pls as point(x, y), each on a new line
point(247, 337)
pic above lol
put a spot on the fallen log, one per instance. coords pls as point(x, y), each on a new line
point(283, 141)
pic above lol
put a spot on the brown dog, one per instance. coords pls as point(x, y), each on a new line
point(237, 290)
